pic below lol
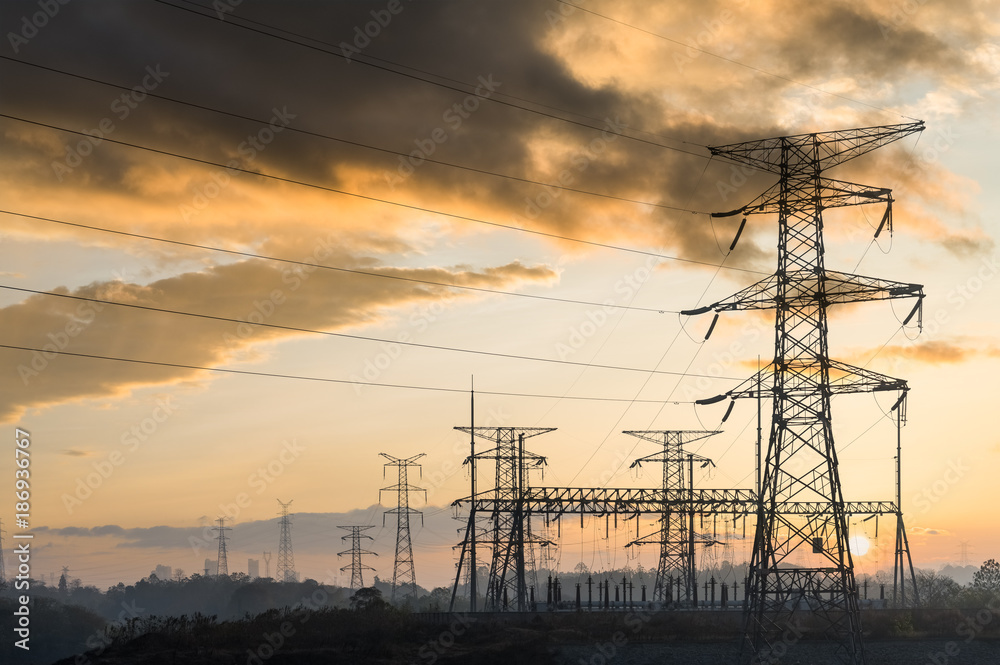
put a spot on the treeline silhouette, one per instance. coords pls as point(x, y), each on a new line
point(250, 620)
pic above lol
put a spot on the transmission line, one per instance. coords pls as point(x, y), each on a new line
point(376, 199)
point(359, 144)
point(365, 338)
point(322, 379)
point(734, 62)
point(360, 60)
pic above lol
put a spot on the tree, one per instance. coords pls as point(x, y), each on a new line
point(937, 590)
point(368, 598)
point(987, 578)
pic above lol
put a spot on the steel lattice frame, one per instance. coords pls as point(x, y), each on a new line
point(801, 461)
point(286, 559)
point(223, 560)
point(507, 586)
point(676, 536)
point(356, 566)
point(403, 573)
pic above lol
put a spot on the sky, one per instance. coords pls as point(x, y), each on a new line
point(330, 169)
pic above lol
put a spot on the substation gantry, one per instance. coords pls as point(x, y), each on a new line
point(798, 506)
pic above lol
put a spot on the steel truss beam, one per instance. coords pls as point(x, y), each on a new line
point(601, 501)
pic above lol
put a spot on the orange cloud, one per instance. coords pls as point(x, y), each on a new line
point(250, 291)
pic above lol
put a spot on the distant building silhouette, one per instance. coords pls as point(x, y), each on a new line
point(211, 567)
point(162, 572)
point(253, 568)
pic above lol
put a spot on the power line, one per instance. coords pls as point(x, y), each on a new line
point(369, 56)
point(734, 62)
point(435, 347)
point(360, 60)
point(321, 379)
point(358, 143)
point(353, 271)
point(376, 199)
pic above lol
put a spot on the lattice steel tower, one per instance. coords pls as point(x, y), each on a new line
point(676, 536)
point(286, 560)
point(223, 570)
point(402, 570)
point(507, 586)
point(3, 573)
point(356, 566)
point(801, 462)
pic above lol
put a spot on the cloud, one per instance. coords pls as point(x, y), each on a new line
point(674, 99)
point(76, 452)
point(251, 291)
point(928, 531)
point(938, 352)
point(530, 52)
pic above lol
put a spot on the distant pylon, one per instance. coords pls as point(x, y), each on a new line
point(223, 561)
point(267, 564)
point(286, 561)
point(402, 569)
point(356, 567)
point(3, 573)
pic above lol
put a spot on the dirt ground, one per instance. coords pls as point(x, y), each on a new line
point(880, 652)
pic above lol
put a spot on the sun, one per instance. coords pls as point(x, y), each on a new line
point(858, 545)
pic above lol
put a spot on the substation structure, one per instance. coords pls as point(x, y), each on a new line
point(798, 503)
point(499, 523)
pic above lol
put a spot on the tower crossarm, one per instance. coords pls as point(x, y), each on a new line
point(844, 380)
point(832, 194)
point(804, 152)
point(494, 433)
point(804, 288)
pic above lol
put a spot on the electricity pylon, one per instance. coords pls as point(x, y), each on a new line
point(267, 564)
point(676, 536)
point(356, 567)
point(402, 570)
point(507, 586)
point(223, 570)
point(3, 573)
point(286, 560)
point(801, 462)
point(901, 556)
